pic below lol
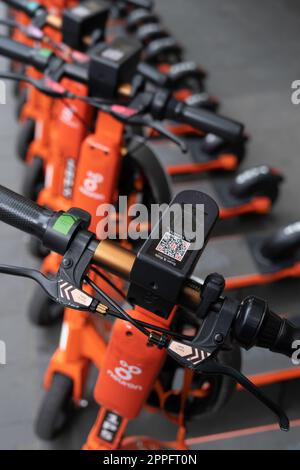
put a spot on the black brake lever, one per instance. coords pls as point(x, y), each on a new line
point(58, 289)
point(212, 367)
point(45, 85)
point(169, 135)
point(201, 352)
point(136, 119)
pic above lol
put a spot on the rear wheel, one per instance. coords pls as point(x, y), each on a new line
point(257, 181)
point(216, 147)
point(284, 245)
point(56, 408)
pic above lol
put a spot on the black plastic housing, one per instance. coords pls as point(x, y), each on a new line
point(168, 258)
point(82, 20)
point(112, 65)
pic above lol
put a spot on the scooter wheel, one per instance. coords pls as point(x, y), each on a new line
point(34, 178)
point(42, 310)
point(56, 408)
point(24, 138)
point(37, 249)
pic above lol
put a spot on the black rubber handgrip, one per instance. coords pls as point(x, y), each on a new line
point(29, 8)
point(206, 121)
point(146, 4)
point(38, 58)
point(23, 214)
point(279, 335)
point(257, 325)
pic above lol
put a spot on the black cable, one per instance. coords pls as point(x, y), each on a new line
point(109, 282)
point(117, 307)
point(137, 323)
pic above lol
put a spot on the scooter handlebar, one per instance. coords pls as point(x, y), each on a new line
point(254, 324)
point(38, 58)
point(146, 4)
point(206, 121)
point(23, 214)
point(29, 8)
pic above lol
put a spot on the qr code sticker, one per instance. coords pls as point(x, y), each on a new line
point(173, 245)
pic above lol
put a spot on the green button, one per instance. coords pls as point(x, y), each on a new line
point(33, 6)
point(64, 223)
point(45, 52)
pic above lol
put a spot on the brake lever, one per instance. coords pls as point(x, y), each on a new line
point(169, 135)
point(46, 86)
point(58, 289)
point(201, 361)
point(201, 352)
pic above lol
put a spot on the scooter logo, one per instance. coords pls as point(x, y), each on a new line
point(91, 184)
point(67, 116)
point(124, 374)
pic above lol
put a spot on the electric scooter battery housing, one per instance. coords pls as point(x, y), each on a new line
point(112, 65)
point(82, 20)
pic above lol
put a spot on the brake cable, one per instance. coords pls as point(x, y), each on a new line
point(123, 315)
point(109, 282)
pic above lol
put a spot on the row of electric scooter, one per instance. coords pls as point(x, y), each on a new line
point(107, 107)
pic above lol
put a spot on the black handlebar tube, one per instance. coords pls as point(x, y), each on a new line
point(29, 8)
point(39, 58)
point(207, 121)
point(23, 214)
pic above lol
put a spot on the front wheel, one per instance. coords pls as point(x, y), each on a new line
point(141, 162)
point(42, 310)
point(56, 408)
point(34, 179)
point(25, 137)
point(37, 249)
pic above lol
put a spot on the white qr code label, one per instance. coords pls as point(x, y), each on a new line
point(173, 245)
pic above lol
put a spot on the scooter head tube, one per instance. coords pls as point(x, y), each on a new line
point(169, 255)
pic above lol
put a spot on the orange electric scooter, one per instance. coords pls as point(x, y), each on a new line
point(78, 32)
point(89, 180)
point(142, 337)
point(186, 79)
point(39, 149)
